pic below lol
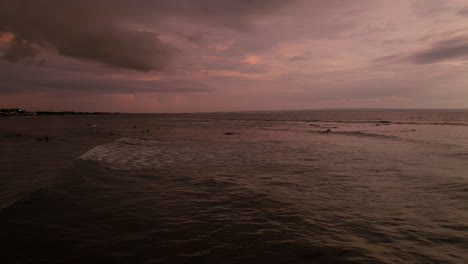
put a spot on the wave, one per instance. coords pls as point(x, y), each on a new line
point(138, 153)
point(359, 134)
point(311, 121)
point(387, 122)
point(125, 153)
point(26, 199)
point(433, 123)
point(411, 140)
point(365, 134)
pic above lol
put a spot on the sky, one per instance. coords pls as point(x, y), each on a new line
point(147, 56)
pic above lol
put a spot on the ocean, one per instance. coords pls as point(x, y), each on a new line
point(245, 187)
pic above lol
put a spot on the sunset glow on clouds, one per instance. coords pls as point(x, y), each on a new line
point(207, 55)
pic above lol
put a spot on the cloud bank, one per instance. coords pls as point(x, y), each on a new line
point(216, 55)
point(114, 32)
point(455, 48)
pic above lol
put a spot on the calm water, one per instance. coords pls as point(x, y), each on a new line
point(380, 187)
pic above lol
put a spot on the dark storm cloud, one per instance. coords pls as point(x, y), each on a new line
point(100, 86)
point(118, 47)
point(455, 48)
point(20, 49)
point(109, 31)
point(23, 78)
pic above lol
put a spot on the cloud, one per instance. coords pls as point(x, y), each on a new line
point(463, 11)
point(99, 86)
point(445, 46)
point(388, 59)
point(455, 48)
point(196, 38)
point(430, 8)
point(252, 59)
point(20, 49)
point(141, 51)
point(115, 32)
point(299, 58)
point(51, 81)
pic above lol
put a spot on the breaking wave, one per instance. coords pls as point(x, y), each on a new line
point(138, 153)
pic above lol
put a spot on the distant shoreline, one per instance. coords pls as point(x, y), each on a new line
point(19, 112)
point(74, 113)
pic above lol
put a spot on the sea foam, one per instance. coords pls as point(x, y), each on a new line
point(127, 153)
point(137, 153)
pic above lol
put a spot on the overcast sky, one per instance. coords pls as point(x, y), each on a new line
point(214, 55)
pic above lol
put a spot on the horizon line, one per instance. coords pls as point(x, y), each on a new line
point(246, 111)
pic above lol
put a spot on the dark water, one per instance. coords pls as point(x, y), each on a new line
point(380, 187)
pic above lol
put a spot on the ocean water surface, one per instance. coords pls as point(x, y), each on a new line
point(250, 187)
